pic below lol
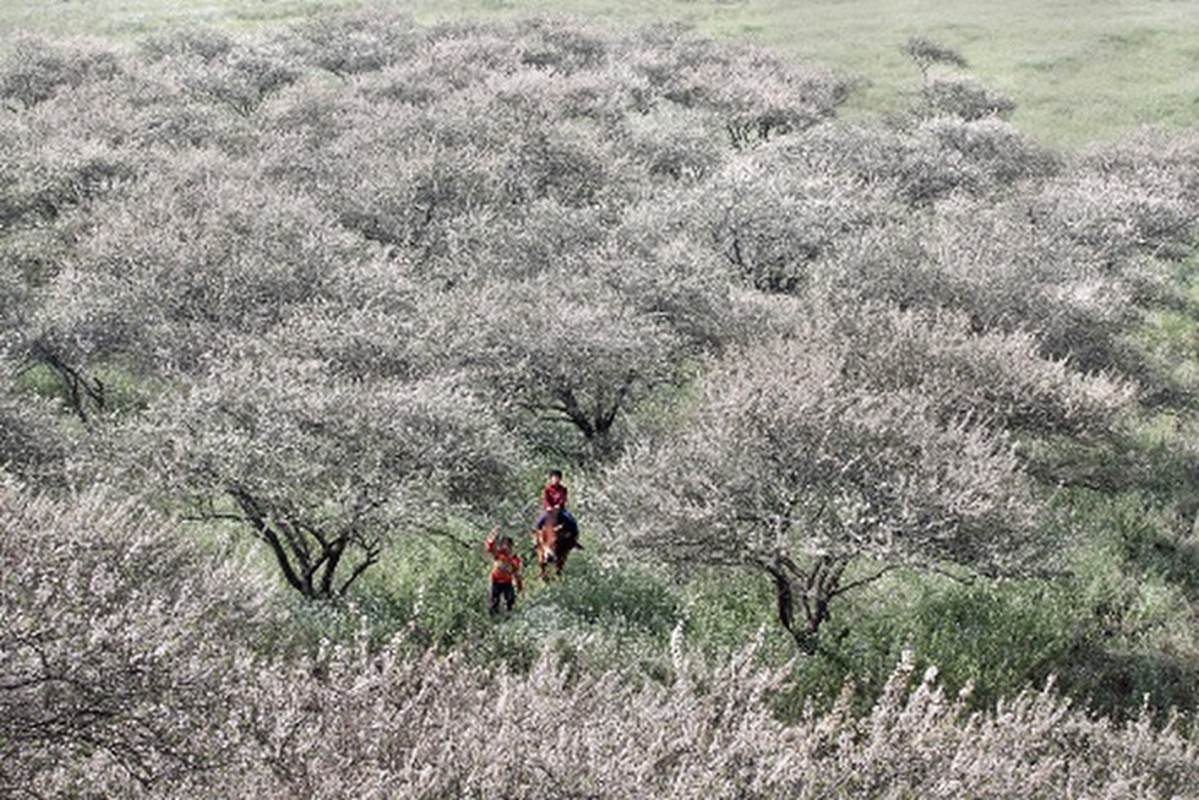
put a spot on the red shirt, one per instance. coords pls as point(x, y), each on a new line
point(554, 496)
point(506, 567)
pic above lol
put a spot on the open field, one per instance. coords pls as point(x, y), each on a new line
point(1079, 71)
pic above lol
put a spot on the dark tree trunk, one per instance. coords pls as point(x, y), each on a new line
point(817, 585)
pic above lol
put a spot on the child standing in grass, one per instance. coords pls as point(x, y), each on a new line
point(506, 578)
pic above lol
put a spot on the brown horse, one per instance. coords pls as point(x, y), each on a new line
point(554, 540)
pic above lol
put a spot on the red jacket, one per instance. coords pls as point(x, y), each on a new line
point(506, 567)
point(554, 496)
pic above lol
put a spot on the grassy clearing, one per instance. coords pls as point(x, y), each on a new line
point(1079, 70)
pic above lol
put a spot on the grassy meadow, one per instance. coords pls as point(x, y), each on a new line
point(1079, 71)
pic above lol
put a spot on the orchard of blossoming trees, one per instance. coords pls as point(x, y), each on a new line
point(288, 320)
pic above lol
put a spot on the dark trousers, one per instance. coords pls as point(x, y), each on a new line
point(505, 590)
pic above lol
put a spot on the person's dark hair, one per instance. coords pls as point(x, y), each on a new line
point(507, 540)
point(556, 473)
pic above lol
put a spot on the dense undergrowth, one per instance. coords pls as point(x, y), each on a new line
point(289, 323)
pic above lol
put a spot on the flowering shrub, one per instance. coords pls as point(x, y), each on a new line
point(964, 98)
point(441, 730)
point(321, 468)
point(119, 647)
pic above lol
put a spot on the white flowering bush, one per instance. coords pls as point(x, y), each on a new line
point(965, 98)
point(33, 442)
point(34, 70)
point(1001, 378)
point(120, 646)
point(1134, 197)
point(617, 352)
point(790, 467)
point(1010, 274)
point(374, 725)
point(321, 468)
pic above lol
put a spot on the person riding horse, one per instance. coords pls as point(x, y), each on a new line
point(555, 533)
point(553, 498)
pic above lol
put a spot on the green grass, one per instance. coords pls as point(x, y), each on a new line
point(131, 19)
point(1079, 70)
